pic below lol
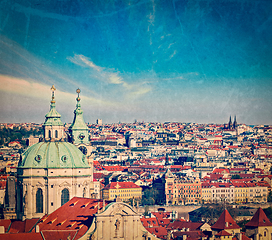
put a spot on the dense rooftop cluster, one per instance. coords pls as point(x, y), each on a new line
point(222, 162)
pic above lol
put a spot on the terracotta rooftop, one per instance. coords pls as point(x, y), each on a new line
point(189, 226)
point(75, 215)
point(259, 219)
point(223, 233)
point(117, 185)
point(225, 221)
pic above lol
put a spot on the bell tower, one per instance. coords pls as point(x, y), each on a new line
point(78, 131)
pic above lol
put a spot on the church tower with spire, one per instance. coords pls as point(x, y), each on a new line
point(78, 131)
point(234, 123)
point(230, 123)
point(52, 171)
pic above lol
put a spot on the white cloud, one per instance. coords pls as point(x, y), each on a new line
point(111, 76)
point(141, 91)
point(26, 88)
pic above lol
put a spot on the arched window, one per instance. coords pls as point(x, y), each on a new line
point(64, 196)
point(84, 192)
point(49, 133)
point(39, 201)
point(56, 134)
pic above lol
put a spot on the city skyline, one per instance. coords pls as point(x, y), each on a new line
point(154, 61)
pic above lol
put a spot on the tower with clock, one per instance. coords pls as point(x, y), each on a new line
point(78, 131)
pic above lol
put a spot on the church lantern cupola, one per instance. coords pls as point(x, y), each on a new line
point(53, 127)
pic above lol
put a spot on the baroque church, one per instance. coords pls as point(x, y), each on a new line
point(53, 171)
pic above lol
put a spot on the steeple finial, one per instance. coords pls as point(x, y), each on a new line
point(53, 89)
point(78, 92)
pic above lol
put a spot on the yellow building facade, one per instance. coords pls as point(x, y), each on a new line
point(122, 190)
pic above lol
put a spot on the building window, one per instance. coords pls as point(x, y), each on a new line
point(64, 196)
point(84, 192)
point(56, 134)
point(49, 134)
point(39, 201)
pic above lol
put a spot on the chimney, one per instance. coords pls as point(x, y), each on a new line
point(239, 236)
point(98, 211)
point(104, 204)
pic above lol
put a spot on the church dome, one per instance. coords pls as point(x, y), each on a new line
point(53, 155)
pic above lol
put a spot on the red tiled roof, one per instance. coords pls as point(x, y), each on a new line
point(149, 222)
point(160, 232)
point(192, 235)
point(164, 222)
point(77, 214)
point(6, 223)
point(160, 215)
point(57, 234)
point(244, 237)
point(223, 233)
point(259, 219)
point(220, 170)
point(179, 225)
point(114, 168)
point(21, 236)
point(114, 185)
point(225, 221)
point(17, 227)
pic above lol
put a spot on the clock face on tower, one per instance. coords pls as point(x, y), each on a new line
point(83, 149)
point(81, 136)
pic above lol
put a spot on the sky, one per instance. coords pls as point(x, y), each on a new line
point(196, 61)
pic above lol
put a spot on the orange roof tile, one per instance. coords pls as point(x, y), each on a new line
point(259, 219)
point(225, 221)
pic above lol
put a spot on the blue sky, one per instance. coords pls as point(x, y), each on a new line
point(188, 61)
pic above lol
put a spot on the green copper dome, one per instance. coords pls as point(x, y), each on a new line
point(53, 155)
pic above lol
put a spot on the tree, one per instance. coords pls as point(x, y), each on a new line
point(269, 197)
point(236, 176)
point(150, 196)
